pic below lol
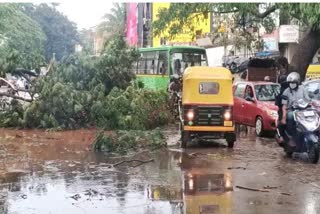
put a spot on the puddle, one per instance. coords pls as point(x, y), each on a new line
point(44, 172)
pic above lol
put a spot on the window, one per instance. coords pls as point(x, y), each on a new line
point(141, 66)
point(146, 64)
point(162, 60)
point(248, 92)
point(209, 88)
point(239, 90)
point(181, 61)
point(266, 92)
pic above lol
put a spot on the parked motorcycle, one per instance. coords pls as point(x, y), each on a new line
point(306, 131)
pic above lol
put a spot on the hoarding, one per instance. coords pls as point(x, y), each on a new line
point(132, 24)
point(201, 24)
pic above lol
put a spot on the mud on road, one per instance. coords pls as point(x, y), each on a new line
point(46, 172)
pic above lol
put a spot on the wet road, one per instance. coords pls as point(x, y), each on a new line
point(42, 172)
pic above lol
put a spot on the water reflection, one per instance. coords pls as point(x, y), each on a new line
point(207, 187)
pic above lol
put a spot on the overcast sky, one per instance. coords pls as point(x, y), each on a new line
point(85, 13)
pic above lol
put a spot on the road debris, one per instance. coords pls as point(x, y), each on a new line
point(76, 197)
point(253, 189)
point(195, 154)
point(131, 161)
point(284, 193)
point(270, 187)
point(237, 167)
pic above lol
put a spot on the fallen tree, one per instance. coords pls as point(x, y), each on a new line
point(84, 91)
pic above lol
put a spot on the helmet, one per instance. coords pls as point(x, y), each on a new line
point(175, 77)
point(293, 77)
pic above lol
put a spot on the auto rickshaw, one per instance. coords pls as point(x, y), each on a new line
point(206, 107)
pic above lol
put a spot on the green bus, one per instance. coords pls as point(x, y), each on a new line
point(156, 65)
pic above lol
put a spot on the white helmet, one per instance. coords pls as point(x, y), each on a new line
point(293, 77)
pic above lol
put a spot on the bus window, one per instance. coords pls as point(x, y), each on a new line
point(181, 61)
point(141, 66)
point(176, 61)
point(162, 63)
point(146, 64)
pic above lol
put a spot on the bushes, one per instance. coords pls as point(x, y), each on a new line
point(124, 141)
point(138, 109)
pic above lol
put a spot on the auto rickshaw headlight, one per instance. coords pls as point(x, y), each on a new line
point(227, 115)
point(190, 115)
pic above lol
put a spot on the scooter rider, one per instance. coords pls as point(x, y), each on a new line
point(282, 80)
point(174, 88)
point(294, 92)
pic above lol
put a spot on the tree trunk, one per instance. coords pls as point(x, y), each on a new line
point(307, 48)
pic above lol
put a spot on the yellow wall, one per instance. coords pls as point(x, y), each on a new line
point(184, 38)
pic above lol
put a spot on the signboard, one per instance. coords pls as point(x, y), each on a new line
point(288, 34)
point(313, 72)
point(270, 44)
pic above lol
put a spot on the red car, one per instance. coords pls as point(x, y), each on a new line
point(254, 105)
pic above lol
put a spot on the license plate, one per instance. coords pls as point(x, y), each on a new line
point(308, 113)
point(227, 123)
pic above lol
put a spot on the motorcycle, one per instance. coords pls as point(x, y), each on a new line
point(306, 132)
point(175, 95)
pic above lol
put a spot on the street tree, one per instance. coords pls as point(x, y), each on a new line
point(251, 15)
point(86, 37)
point(61, 33)
point(115, 21)
point(21, 40)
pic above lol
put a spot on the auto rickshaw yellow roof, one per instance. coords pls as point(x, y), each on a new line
point(203, 72)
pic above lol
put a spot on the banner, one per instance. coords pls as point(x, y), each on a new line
point(289, 33)
point(132, 31)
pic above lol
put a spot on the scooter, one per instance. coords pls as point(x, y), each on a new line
point(306, 132)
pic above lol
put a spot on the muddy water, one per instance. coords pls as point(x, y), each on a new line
point(43, 172)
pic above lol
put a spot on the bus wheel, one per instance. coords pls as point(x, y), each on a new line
point(185, 138)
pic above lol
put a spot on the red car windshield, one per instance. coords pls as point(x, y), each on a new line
point(267, 92)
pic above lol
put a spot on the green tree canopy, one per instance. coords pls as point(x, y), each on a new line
point(21, 39)
point(62, 35)
point(247, 15)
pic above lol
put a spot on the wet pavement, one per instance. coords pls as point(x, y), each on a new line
point(46, 172)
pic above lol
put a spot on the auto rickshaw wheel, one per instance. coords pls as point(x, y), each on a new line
point(185, 138)
point(230, 144)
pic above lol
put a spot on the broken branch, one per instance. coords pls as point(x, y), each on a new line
point(269, 187)
point(284, 193)
point(238, 167)
point(253, 189)
point(135, 160)
point(15, 97)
